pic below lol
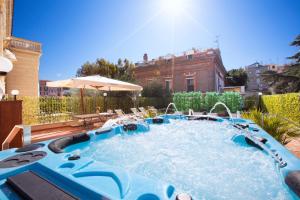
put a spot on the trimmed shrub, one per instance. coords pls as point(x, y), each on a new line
point(200, 102)
point(210, 99)
point(286, 105)
point(232, 100)
point(185, 101)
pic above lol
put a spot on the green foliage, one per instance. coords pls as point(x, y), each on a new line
point(282, 118)
point(188, 100)
point(157, 102)
point(40, 110)
point(199, 102)
point(279, 128)
point(286, 105)
point(154, 89)
point(210, 99)
point(296, 43)
point(232, 100)
point(123, 70)
point(250, 102)
point(236, 77)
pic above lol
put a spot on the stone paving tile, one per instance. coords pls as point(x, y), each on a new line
point(294, 147)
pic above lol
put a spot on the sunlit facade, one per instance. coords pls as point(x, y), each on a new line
point(193, 70)
point(24, 54)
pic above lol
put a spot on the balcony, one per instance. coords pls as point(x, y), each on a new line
point(19, 43)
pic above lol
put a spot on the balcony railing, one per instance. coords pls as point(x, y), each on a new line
point(18, 43)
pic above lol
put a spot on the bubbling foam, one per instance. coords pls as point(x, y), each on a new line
point(197, 157)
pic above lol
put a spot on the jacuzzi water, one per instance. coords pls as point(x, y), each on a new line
point(197, 157)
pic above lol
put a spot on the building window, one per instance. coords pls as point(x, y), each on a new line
point(168, 85)
point(190, 85)
point(189, 57)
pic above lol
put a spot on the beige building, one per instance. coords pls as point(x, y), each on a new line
point(24, 54)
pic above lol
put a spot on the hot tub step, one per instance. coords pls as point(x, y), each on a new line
point(31, 186)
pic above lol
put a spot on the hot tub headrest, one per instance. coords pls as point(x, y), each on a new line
point(293, 181)
point(58, 145)
point(202, 118)
point(103, 130)
point(157, 120)
point(130, 127)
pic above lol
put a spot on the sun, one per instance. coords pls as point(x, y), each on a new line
point(172, 7)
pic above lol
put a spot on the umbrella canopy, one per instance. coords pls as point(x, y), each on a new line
point(95, 82)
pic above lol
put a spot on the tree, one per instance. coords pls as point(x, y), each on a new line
point(154, 89)
point(289, 79)
point(236, 77)
point(126, 70)
point(123, 70)
point(296, 43)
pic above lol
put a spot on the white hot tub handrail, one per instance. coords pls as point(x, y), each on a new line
point(275, 156)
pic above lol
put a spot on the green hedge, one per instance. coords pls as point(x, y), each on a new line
point(185, 101)
point(286, 105)
point(39, 110)
point(204, 102)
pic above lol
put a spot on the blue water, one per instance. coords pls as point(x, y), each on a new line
point(196, 157)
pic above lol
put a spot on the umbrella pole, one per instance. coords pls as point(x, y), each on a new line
point(108, 96)
point(81, 99)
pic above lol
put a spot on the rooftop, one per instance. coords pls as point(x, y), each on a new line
point(192, 51)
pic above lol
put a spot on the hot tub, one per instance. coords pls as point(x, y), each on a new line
point(203, 157)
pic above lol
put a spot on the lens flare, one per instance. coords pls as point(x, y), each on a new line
point(172, 7)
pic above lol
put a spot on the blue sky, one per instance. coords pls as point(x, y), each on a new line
point(75, 31)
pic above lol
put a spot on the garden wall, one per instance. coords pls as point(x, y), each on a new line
point(286, 105)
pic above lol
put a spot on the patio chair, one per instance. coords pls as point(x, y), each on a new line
point(191, 112)
point(120, 112)
point(143, 111)
point(152, 110)
point(136, 112)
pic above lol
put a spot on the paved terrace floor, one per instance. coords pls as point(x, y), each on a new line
point(294, 147)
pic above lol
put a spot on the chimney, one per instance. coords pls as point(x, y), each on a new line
point(145, 58)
